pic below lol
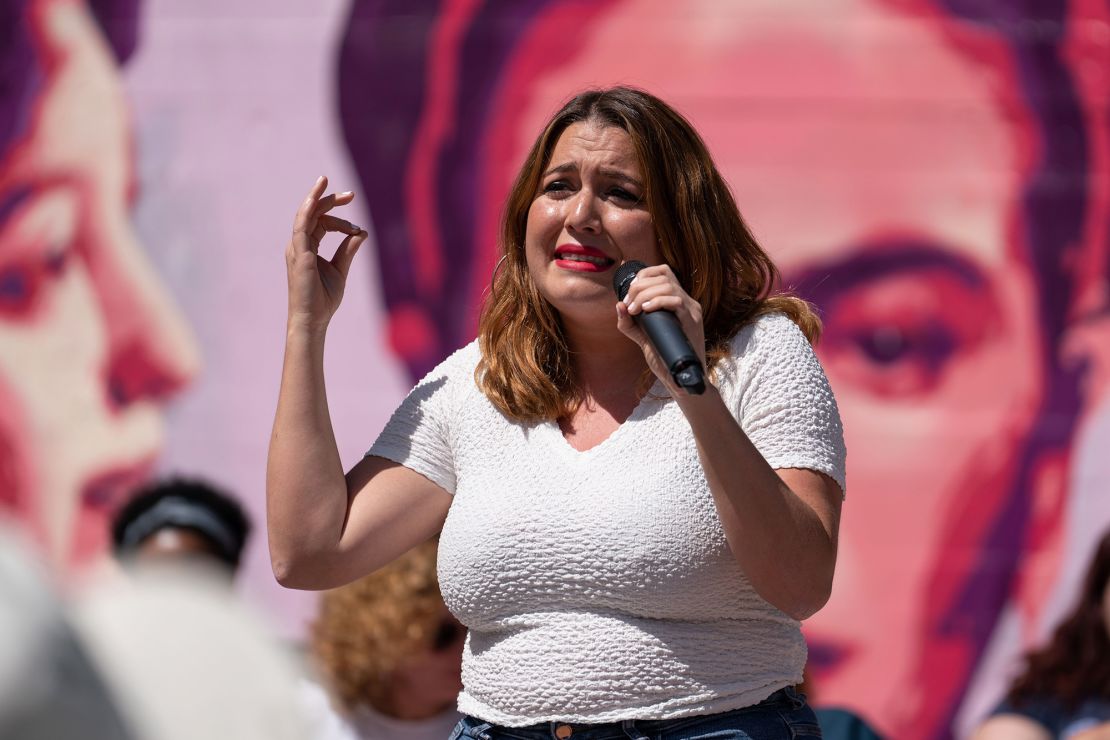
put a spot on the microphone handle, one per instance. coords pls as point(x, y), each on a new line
point(672, 346)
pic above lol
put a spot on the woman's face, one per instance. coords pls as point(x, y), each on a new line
point(884, 174)
point(587, 218)
point(90, 344)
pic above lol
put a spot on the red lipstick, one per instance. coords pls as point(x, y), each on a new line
point(579, 258)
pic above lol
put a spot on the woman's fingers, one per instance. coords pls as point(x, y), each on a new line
point(328, 202)
point(629, 327)
point(652, 297)
point(651, 278)
point(662, 302)
point(341, 260)
point(332, 223)
point(306, 213)
point(312, 222)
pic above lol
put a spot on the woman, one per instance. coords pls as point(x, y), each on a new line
point(619, 552)
point(390, 652)
point(1064, 691)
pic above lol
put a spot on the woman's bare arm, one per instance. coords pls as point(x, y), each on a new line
point(326, 528)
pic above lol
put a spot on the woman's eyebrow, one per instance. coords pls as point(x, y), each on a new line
point(825, 282)
point(620, 175)
point(562, 168)
point(610, 172)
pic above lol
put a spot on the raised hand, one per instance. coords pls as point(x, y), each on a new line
point(316, 284)
point(656, 288)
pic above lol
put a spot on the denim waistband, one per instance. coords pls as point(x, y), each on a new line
point(631, 729)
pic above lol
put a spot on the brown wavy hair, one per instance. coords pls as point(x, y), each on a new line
point(364, 629)
point(1075, 664)
point(526, 369)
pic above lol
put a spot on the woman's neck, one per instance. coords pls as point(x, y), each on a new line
point(606, 362)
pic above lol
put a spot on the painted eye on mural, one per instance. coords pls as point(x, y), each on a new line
point(901, 333)
point(37, 241)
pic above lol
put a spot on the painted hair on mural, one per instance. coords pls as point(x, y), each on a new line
point(21, 72)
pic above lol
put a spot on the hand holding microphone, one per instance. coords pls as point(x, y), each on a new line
point(665, 334)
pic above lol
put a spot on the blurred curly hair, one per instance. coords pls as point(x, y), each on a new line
point(364, 629)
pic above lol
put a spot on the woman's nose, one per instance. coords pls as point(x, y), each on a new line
point(583, 214)
point(152, 353)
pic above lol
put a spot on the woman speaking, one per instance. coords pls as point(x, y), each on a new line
point(631, 559)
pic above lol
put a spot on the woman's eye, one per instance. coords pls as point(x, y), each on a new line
point(623, 195)
point(557, 188)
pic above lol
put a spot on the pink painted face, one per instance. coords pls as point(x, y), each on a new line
point(588, 218)
point(883, 170)
point(90, 344)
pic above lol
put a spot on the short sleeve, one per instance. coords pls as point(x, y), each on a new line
point(419, 434)
point(784, 402)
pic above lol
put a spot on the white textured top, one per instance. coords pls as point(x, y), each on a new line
point(598, 585)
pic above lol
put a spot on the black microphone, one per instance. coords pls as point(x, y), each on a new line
point(665, 334)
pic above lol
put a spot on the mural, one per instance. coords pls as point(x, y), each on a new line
point(91, 346)
point(935, 177)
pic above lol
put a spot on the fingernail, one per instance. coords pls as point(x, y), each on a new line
point(646, 304)
point(320, 178)
point(348, 192)
point(627, 300)
point(356, 228)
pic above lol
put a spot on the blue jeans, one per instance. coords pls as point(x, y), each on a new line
point(784, 715)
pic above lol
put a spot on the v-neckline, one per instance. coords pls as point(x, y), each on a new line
point(655, 394)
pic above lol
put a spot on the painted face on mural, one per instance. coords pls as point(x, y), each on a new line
point(90, 344)
point(893, 201)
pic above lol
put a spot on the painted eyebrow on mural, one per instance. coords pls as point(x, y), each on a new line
point(11, 200)
point(876, 260)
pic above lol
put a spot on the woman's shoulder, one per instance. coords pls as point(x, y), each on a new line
point(766, 333)
point(771, 347)
point(457, 367)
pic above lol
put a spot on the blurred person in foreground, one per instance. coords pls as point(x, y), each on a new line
point(91, 344)
point(162, 654)
point(181, 521)
point(50, 688)
point(1063, 693)
point(184, 655)
point(389, 653)
point(628, 554)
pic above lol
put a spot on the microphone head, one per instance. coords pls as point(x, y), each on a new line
point(623, 277)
